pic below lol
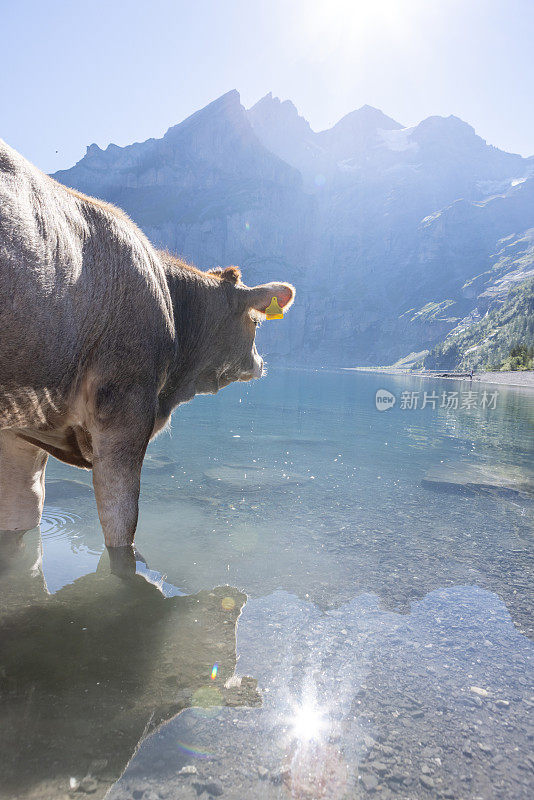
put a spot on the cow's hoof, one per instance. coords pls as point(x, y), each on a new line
point(122, 561)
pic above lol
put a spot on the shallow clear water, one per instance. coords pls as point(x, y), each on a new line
point(377, 567)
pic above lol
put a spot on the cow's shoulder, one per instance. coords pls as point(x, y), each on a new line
point(99, 207)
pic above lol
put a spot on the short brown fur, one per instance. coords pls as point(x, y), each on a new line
point(101, 337)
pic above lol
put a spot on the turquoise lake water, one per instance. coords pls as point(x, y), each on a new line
point(331, 601)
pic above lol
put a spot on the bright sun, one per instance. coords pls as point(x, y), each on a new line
point(349, 26)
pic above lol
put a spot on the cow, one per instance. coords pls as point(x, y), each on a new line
point(101, 337)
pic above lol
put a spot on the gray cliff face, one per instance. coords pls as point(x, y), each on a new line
point(383, 229)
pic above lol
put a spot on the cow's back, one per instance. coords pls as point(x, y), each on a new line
point(80, 288)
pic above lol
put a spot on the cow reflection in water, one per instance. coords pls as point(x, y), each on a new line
point(87, 673)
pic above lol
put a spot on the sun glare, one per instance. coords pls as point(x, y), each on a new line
point(308, 723)
point(358, 11)
point(347, 27)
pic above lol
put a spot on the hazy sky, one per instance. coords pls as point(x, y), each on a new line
point(72, 73)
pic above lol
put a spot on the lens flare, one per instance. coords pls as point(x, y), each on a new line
point(193, 750)
point(214, 670)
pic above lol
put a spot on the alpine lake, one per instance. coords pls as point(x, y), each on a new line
point(330, 601)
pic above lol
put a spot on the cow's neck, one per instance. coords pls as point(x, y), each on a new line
point(195, 300)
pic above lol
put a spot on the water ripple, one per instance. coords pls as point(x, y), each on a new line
point(56, 522)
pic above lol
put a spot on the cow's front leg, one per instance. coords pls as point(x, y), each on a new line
point(22, 488)
point(117, 460)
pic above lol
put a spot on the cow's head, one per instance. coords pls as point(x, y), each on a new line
point(233, 350)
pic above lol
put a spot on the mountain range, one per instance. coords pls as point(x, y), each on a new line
point(395, 237)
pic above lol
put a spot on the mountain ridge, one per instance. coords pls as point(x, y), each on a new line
point(373, 224)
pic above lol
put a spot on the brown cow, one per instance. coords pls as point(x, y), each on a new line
point(101, 337)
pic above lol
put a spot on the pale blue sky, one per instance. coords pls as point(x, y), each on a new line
point(72, 73)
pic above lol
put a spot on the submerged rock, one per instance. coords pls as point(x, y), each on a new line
point(189, 769)
point(211, 787)
point(253, 478)
point(497, 480)
point(159, 463)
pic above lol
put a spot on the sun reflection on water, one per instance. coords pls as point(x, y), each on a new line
point(308, 722)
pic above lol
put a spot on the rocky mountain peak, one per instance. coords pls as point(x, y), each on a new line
point(278, 114)
point(366, 118)
point(225, 109)
point(451, 141)
point(451, 126)
point(93, 150)
point(356, 133)
point(281, 129)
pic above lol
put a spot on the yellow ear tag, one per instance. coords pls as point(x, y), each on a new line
point(273, 310)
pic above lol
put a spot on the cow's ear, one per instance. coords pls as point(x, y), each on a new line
point(258, 298)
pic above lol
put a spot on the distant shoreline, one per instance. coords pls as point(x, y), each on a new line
point(524, 379)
